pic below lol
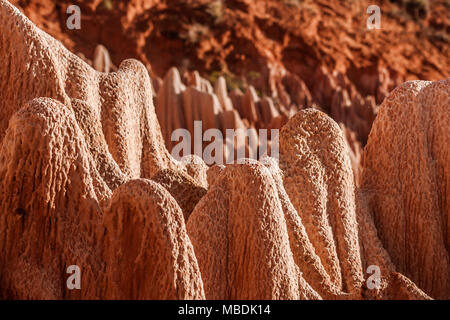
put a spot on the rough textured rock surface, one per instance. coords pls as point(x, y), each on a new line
point(319, 181)
point(186, 191)
point(240, 239)
point(197, 169)
point(60, 220)
point(148, 251)
point(50, 205)
point(406, 169)
point(213, 173)
point(79, 147)
point(35, 65)
point(60, 162)
point(294, 52)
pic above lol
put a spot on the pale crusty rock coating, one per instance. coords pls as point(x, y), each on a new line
point(78, 148)
point(406, 169)
point(60, 161)
point(240, 239)
point(319, 181)
point(49, 195)
point(147, 248)
point(33, 64)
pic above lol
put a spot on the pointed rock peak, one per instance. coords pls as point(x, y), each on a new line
point(220, 87)
point(252, 94)
point(102, 60)
point(173, 80)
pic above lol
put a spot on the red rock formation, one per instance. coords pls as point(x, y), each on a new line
point(318, 179)
point(197, 169)
point(220, 89)
point(185, 190)
point(293, 54)
point(406, 169)
point(120, 102)
point(60, 161)
point(179, 105)
point(242, 246)
point(79, 146)
point(51, 194)
point(126, 248)
point(331, 237)
point(316, 174)
point(147, 250)
point(168, 105)
point(213, 173)
point(102, 61)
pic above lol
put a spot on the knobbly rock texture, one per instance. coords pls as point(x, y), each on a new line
point(292, 53)
point(62, 160)
point(241, 242)
point(86, 180)
point(50, 205)
point(319, 182)
point(186, 191)
point(147, 237)
point(406, 168)
point(121, 102)
point(279, 50)
point(197, 169)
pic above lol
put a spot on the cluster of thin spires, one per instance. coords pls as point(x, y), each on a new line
point(86, 179)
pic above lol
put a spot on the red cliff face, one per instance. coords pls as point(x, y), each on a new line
point(293, 53)
point(86, 179)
